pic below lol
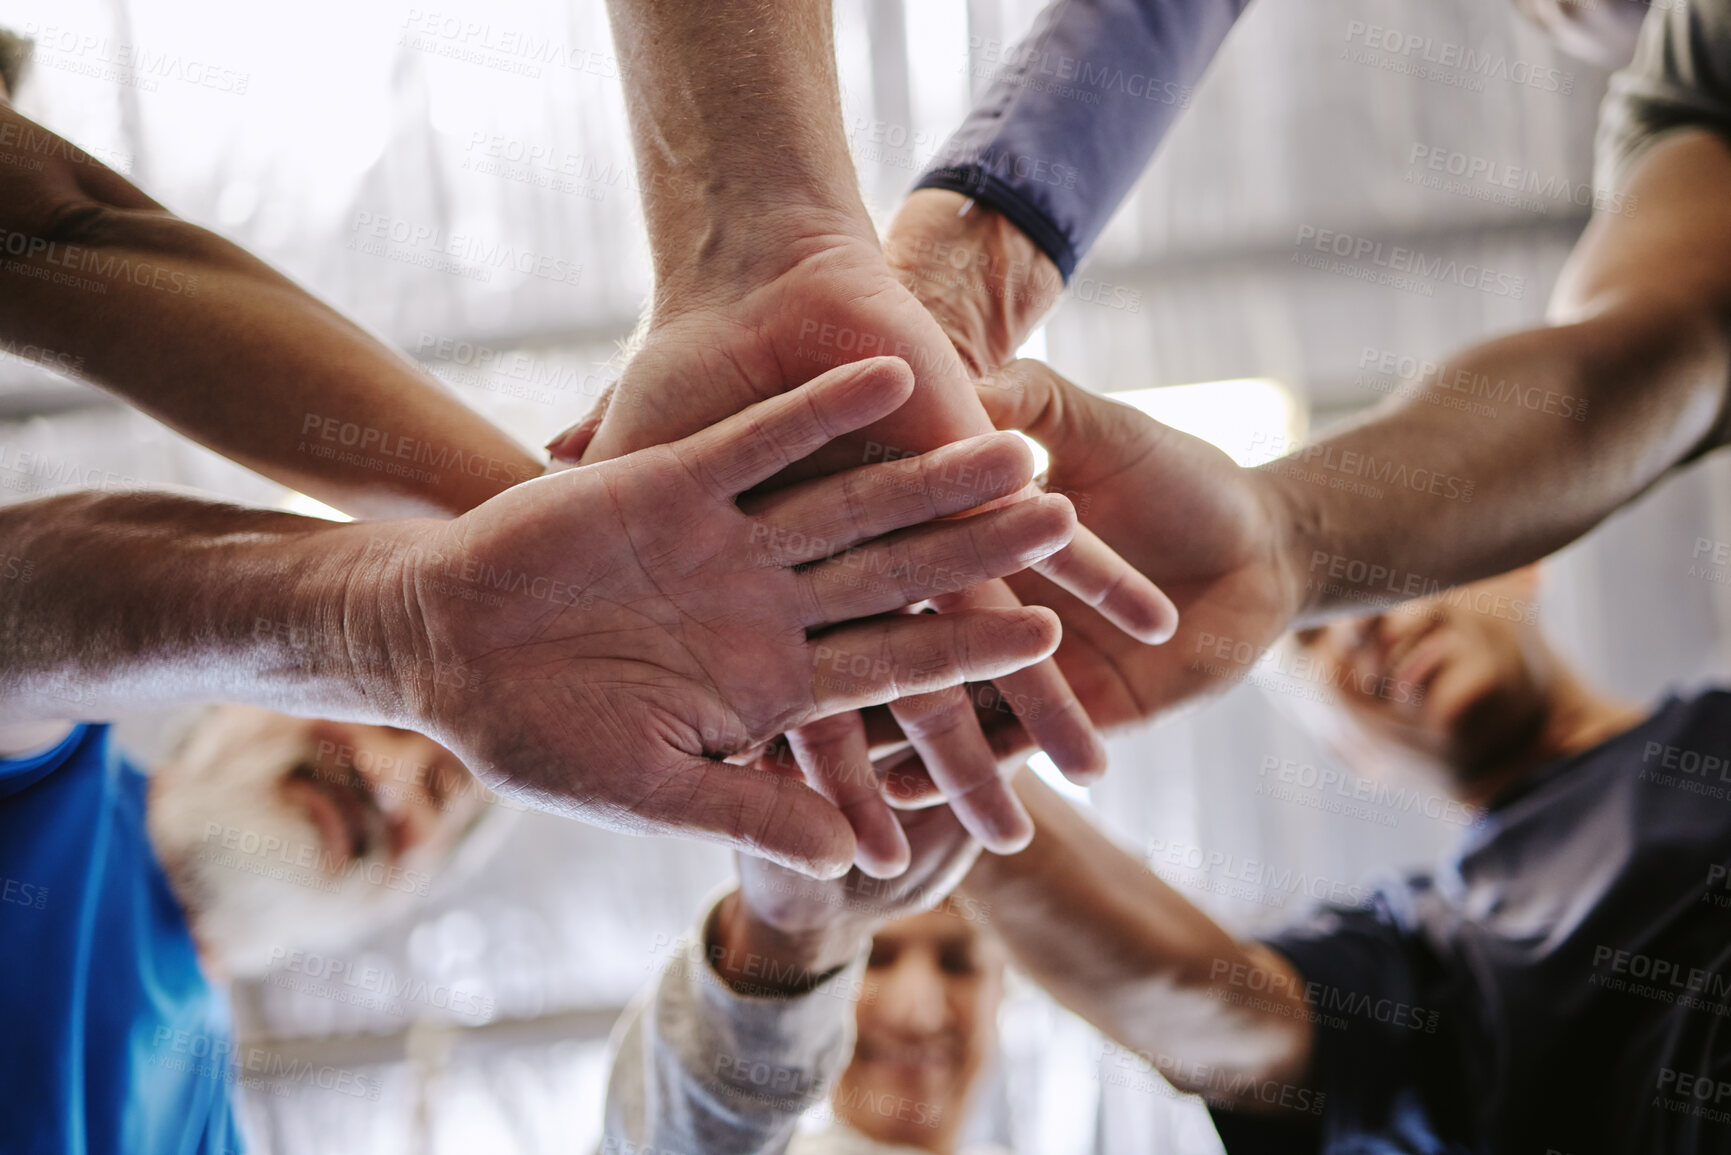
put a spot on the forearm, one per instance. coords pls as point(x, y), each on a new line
point(1511, 450)
point(115, 603)
point(690, 1070)
point(1546, 431)
point(1112, 942)
point(216, 344)
point(736, 121)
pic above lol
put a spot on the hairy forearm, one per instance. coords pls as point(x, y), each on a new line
point(1512, 450)
point(115, 603)
point(736, 120)
point(216, 344)
point(1112, 942)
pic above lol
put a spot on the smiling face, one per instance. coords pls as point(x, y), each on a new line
point(927, 1024)
point(1463, 678)
point(284, 833)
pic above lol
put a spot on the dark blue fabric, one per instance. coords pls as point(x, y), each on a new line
point(1073, 113)
point(1563, 984)
point(113, 1041)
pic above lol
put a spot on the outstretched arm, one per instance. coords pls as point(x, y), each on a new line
point(611, 642)
point(735, 115)
point(101, 282)
point(1631, 380)
point(751, 1022)
point(767, 273)
point(1112, 942)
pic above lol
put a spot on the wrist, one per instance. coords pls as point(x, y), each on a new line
point(1293, 521)
point(361, 592)
point(723, 251)
point(983, 279)
point(755, 956)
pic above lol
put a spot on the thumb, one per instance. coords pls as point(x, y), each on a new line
point(762, 814)
point(1029, 396)
point(569, 446)
point(1081, 430)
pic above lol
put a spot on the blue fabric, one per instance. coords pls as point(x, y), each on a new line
point(1074, 112)
point(1563, 983)
point(113, 1040)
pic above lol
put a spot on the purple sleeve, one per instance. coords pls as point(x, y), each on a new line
point(1075, 110)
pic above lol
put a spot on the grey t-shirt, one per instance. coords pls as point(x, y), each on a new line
point(1680, 78)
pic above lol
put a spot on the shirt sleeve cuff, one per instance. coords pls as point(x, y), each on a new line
point(972, 180)
point(779, 1052)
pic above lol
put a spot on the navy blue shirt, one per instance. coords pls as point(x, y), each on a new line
point(1074, 112)
point(1563, 984)
point(113, 1041)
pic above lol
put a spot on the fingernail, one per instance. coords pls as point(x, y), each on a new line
point(1165, 624)
point(554, 446)
point(1086, 762)
point(1003, 826)
point(888, 866)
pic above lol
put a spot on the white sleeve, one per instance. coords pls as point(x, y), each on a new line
point(701, 1069)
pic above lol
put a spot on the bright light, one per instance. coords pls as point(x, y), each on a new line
point(937, 89)
point(1049, 773)
point(294, 501)
point(1254, 419)
point(1035, 345)
point(1041, 457)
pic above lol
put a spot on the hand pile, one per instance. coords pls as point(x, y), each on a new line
point(714, 349)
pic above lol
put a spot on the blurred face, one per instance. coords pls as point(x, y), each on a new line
point(287, 833)
point(927, 1024)
point(1463, 677)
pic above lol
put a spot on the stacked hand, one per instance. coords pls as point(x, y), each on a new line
point(713, 348)
point(651, 629)
point(768, 271)
point(1184, 513)
point(1210, 533)
point(810, 927)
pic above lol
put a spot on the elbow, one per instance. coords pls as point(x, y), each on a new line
point(1689, 348)
point(33, 225)
point(1714, 340)
point(50, 203)
point(1231, 1045)
point(78, 220)
point(1662, 364)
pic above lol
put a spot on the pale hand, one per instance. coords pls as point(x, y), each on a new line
point(647, 633)
point(838, 301)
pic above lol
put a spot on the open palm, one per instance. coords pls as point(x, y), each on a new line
point(837, 302)
point(620, 631)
